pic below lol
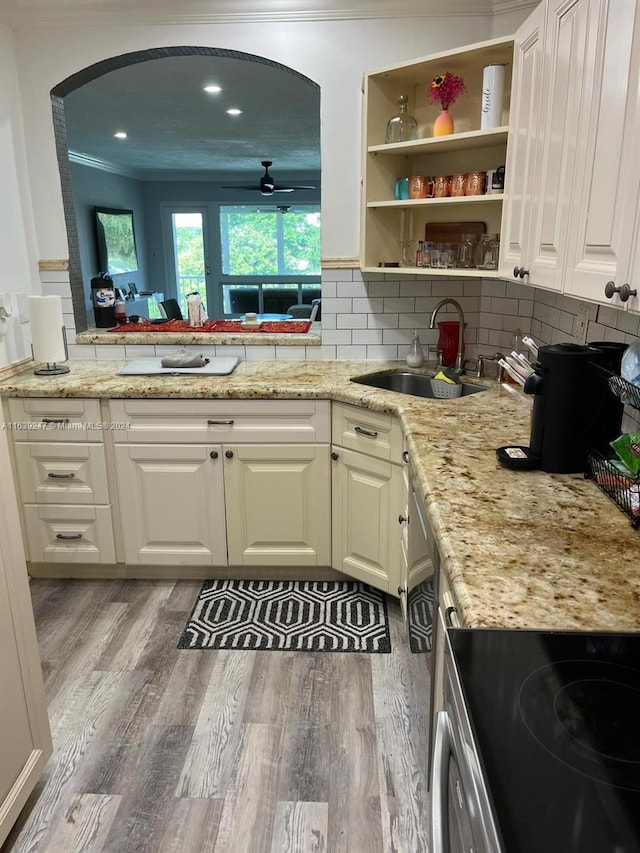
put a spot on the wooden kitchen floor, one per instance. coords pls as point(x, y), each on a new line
point(177, 751)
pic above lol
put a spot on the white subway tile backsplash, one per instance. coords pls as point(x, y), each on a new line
point(351, 321)
point(384, 288)
point(140, 351)
point(336, 306)
point(329, 289)
point(607, 316)
point(494, 287)
point(368, 305)
point(329, 321)
point(420, 287)
point(366, 336)
point(414, 320)
point(82, 351)
point(352, 288)
point(396, 336)
point(49, 277)
point(238, 351)
point(260, 353)
point(343, 274)
point(110, 351)
point(339, 336)
point(384, 352)
point(323, 353)
point(447, 288)
point(291, 353)
point(382, 321)
point(628, 323)
point(400, 304)
point(350, 352)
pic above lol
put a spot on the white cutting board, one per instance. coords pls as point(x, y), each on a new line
point(217, 366)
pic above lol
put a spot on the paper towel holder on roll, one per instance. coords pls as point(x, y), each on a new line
point(52, 368)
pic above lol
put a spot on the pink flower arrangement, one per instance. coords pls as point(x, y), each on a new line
point(445, 89)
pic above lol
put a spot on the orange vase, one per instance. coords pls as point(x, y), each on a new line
point(443, 125)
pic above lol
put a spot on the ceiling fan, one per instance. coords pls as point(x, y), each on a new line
point(268, 186)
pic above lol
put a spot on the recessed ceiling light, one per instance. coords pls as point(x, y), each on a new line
point(234, 112)
point(213, 90)
point(120, 135)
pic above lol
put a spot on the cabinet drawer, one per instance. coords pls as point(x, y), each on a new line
point(62, 473)
point(69, 534)
point(373, 433)
point(222, 421)
point(52, 419)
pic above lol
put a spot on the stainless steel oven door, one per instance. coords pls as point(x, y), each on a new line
point(461, 814)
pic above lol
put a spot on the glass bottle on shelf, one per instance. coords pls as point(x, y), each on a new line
point(401, 127)
point(487, 252)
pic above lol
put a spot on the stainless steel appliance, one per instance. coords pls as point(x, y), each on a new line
point(538, 748)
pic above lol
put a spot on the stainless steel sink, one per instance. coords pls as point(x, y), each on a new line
point(416, 384)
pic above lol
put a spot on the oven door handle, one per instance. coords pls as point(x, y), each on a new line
point(440, 785)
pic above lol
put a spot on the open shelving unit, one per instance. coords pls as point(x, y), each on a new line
point(468, 149)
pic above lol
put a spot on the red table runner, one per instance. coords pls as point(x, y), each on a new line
point(228, 326)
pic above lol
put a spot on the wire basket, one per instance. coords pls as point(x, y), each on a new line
point(624, 491)
point(445, 390)
point(624, 390)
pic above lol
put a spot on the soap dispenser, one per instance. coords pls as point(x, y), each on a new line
point(415, 356)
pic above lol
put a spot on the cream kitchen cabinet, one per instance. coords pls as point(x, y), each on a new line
point(572, 171)
point(25, 738)
point(171, 500)
point(605, 199)
point(384, 218)
point(278, 500)
point(525, 135)
point(367, 500)
point(61, 473)
point(416, 540)
point(252, 498)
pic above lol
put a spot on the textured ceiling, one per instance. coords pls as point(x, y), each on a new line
point(174, 126)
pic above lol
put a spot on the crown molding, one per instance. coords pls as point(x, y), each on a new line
point(41, 13)
point(103, 165)
point(502, 7)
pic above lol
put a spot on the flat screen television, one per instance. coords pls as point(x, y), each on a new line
point(116, 240)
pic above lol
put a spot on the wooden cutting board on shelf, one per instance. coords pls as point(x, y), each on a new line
point(451, 232)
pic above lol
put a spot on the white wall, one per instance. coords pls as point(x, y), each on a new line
point(335, 54)
point(18, 252)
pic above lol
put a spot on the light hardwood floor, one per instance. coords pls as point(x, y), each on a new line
point(162, 750)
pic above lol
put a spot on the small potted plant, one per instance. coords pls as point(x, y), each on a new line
point(444, 90)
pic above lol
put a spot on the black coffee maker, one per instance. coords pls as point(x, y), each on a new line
point(574, 411)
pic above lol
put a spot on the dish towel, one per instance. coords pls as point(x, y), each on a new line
point(183, 359)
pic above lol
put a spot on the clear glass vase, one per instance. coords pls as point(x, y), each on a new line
point(401, 127)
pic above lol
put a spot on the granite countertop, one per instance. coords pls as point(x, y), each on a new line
point(522, 549)
point(240, 338)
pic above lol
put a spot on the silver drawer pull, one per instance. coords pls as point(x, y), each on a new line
point(220, 423)
point(55, 476)
point(55, 420)
point(368, 433)
point(451, 618)
point(68, 535)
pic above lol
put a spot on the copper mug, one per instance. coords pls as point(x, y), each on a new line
point(442, 186)
point(475, 183)
point(458, 184)
point(420, 186)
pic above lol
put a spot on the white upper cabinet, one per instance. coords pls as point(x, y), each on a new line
point(570, 220)
point(524, 132)
point(607, 166)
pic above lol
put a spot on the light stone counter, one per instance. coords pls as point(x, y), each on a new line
point(195, 339)
point(522, 549)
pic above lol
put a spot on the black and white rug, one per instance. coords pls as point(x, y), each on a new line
point(309, 616)
point(421, 618)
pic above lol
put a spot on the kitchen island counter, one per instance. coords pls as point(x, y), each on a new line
point(522, 549)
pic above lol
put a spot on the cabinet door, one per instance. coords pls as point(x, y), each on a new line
point(567, 83)
point(367, 500)
point(607, 166)
point(171, 504)
point(278, 501)
point(522, 188)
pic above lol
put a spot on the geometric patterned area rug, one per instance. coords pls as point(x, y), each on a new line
point(305, 616)
point(421, 617)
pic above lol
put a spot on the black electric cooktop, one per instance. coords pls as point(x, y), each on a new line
point(556, 718)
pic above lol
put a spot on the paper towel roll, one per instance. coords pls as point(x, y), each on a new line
point(492, 95)
point(47, 336)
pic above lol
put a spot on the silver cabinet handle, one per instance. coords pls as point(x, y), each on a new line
point(624, 291)
point(55, 420)
point(220, 423)
point(55, 476)
point(368, 433)
point(448, 613)
point(405, 456)
point(440, 784)
point(68, 535)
